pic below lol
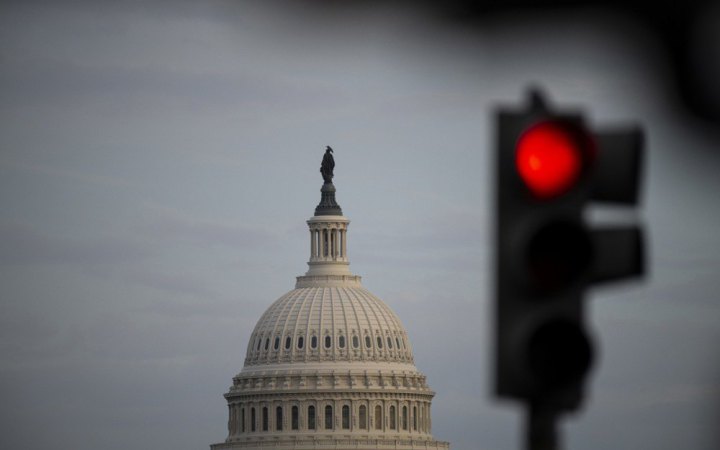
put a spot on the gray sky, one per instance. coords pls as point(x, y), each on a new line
point(158, 162)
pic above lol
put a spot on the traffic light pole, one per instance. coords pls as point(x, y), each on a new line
point(541, 428)
point(551, 166)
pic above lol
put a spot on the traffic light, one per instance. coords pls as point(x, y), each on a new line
point(550, 166)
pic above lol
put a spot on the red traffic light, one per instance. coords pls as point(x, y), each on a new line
point(551, 156)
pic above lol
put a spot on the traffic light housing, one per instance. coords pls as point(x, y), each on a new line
point(550, 166)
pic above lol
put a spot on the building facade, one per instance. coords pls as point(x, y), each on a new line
point(329, 365)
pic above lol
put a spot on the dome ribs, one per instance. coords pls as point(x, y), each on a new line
point(358, 351)
point(328, 313)
point(284, 313)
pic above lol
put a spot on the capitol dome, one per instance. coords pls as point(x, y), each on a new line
point(329, 365)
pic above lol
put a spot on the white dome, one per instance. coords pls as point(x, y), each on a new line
point(329, 365)
point(323, 323)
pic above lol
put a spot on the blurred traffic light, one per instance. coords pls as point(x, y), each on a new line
point(550, 166)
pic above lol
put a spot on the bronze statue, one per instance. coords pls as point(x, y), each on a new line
point(328, 164)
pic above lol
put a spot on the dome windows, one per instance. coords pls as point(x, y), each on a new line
point(368, 343)
point(341, 342)
point(379, 342)
point(355, 341)
point(311, 417)
point(345, 417)
point(363, 417)
point(328, 417)
point(300, 342)
point(328, 341)
point(288, 343)
point(267, 343)
point(277, 343)
point(389, 342)
point(313, 342)
point(295, 418)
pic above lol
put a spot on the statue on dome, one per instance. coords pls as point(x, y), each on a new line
point(328, 164)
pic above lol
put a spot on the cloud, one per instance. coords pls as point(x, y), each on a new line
point(22, 244)
point(167, 223)
point(173, 283)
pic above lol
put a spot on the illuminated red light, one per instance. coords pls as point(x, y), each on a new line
point(549, 158)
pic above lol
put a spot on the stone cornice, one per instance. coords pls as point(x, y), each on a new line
point(363, 381)
point(271, 396)
point(306, 281)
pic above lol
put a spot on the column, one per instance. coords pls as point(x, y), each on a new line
point(336, 243)
point(321, 248)
point(341, 253)
point(331, 239)
point(313, 244)
point(326, 243)
point(428, 420)
point(344, 243)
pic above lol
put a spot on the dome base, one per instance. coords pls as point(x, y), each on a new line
point(329, 442)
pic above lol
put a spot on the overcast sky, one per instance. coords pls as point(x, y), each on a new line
point(158, 162)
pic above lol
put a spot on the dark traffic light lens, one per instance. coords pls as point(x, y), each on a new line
point(559, 352)
point(550, 157)
point(557, 255)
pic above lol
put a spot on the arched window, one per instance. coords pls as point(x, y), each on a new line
point(378, 417)
point(278, 418)
point(311, 417)
point(397, 341)
point(392, 417)
point(276, 345)
point(414, 418)
point(379, 342)
point(341, 342)
point(404, 418)
point(288, 342)
point(356, 342)
point(267, 343)
point(389, 340)
point(242, 420)
point(368, 343)
point(258, 345)
point(252, 419)
point(346, 417)
point(363, 417)
point(328, 417)
point(265, 419)
point(313, 342)
point(295, 418)
point(328, 341)
point(301, 342)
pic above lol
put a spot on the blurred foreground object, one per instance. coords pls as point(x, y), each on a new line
point(550, 166)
